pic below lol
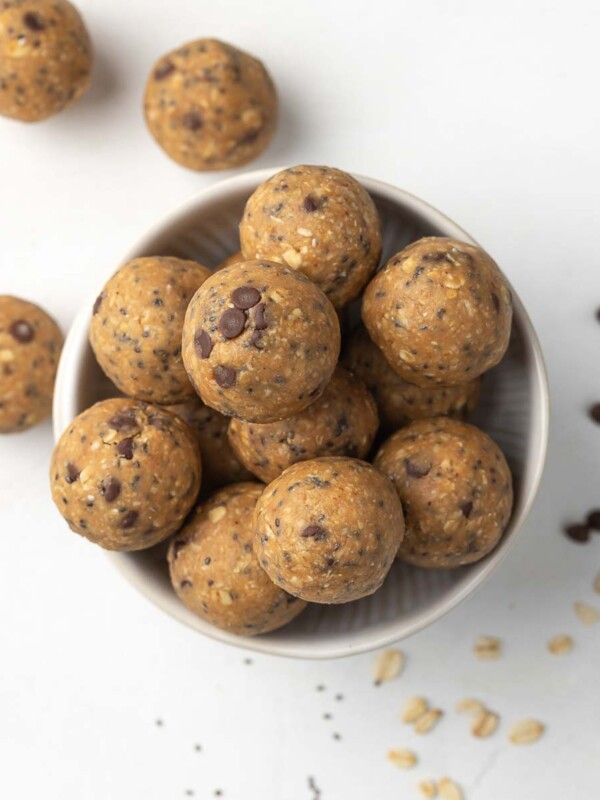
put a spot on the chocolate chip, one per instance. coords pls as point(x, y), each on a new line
point(245, 297)
point(110, 489)
point(578, 532)
point(466, 509)
point(128, 519)
point(595, 412)
point(260, 322)
point(315, 532)
point(191, 121)
point(124, 420)
point(97, 303)
point(160, 423)
point(203, 344)
point(224, 376)
point(34, 21)
point(232, 323)
point(309, 204)
point(593, 520)
point(417, 469)
point(22, 331)
point(72, 472)
point(496, 302)
point(125, 448)
point(256, 340)
point(160, 73)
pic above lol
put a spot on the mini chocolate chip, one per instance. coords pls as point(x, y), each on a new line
point(309, 204)
point(160, 73)
point(203, 344)
point(191, 121)
point(110, 489)
point(466, 509)
point(22, 331)
point(34, 21)
point(245, 297)
point(232, 323)
point(330, 562)
point(415, 469)
point(125, 448)
point(595, 412)
point(125, 419)
point(260, 321)
point(496, 302)
point(72, 472)
point(185, 584)
point(593, 520)
point(207, 560)
point(256, 339)
point(224, 376)
point(578, 532)
point(315, 532)
point(128, 519)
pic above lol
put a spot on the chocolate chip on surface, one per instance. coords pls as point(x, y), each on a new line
point(97, 303)
point(224, 376)
point(125, 448)
point(416, 468)
point(260, 321)
point(245, 297)
point(33, 21)
point(129, 519)
point(110, 488)
point(22, 331)
point(162, 72)
point(466, 509)
point(72, 473)
point(232, 323)
point(191, 121)
point(315, 532)
point(203, 344)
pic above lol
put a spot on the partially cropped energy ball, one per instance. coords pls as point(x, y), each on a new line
point(210, 106)
point(260, 341)
point(328, 530)
point(342, 422)
point(317, 220)
point(440, 311)
point(217, 576)
point(220, 465)
point(455, 487)
point(125, 474)
point(45, 58)
point(30, 345)
point(399, 402)
point(137, 323)
point(234, 258)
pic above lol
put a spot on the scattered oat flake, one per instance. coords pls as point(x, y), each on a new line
point(469, 706)
point(526, 731)
point(428, 720)
point(428, 789)
point(449, 790)
point(414, 708)
point(487, 647)
point(402, 758)
point(586, 614)
point(560, 644)
point(484, 724)
point(388, 665)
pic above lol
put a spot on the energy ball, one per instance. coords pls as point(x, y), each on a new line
point(45, 58)
point(440, 311)
point(217, 576)
point(328, 530)
point(234, 258)
point(342, 422)
point(260, 341)
point(137, 323)
point(455, 487)
point(220, 465)
point(125, 474)
point(399, 402)
point(317, 220)
point(30, 345)
point(210, 106)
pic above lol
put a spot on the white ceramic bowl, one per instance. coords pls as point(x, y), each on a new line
point(513, 410)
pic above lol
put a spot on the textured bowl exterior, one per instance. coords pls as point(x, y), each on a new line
point(514, 410)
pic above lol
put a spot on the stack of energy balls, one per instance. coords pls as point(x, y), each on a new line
point(303, 499)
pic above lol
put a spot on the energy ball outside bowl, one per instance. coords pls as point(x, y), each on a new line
point(137, 323)
point(318, 220)
point(125, 474)
point(455, 487)
point(399, 402)
point(220, 465)
point(440, 311)
point(342, 422)
point(217, 576)
point(210, 106)
point(260, 341)
point(328, 530)
point(45, 58)
point(30, 345)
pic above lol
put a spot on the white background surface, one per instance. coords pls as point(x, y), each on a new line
point(489, 112)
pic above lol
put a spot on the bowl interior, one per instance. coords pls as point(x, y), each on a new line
point(513, 411)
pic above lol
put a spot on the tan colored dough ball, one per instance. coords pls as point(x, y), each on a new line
point(328, 530)
point(399, 402)
point(318, 220)
point(125, 474)
point(260, 341)
point(455, 487)
point(440, 311)
point(45, 58)
point(220, 465)
point(137, 323)
point(217, 576)
point(342, 422)
point(30, 345)
point(210, 106)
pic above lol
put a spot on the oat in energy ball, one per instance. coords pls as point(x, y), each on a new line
point(45, 58)
point(260, 341)
point(125, 474)
point(317, 220)
point(328, 530)
point(220, 465)
point(342, 422)
point(30, 345)
point(440, 311)
point(136, 327)
point(217, 576)
point(234, 258)
point(210, 106)
point(399, 402)
point(455, 487)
